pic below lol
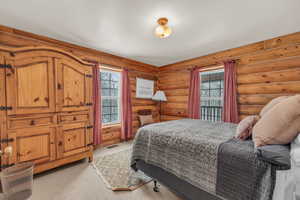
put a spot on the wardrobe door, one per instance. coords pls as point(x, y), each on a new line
point(72, 139)
point(32, 144)
point(30, 85)
point(74, 85)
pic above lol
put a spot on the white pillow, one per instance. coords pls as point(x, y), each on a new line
point(295, 150)
point(297, 140)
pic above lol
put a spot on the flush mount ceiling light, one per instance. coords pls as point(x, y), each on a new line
point(163, 31)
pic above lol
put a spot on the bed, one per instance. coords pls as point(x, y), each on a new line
point(201, 160)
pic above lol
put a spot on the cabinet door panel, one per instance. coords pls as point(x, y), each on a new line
point(72, 139)
point(74, 86)
point(30, 85)
point(33, 144)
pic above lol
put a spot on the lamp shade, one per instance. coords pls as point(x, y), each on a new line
point(159, 96)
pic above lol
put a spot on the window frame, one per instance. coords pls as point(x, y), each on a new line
point(110, 70)
point(212, 117)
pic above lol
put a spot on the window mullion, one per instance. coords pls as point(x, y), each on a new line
point(110, 103)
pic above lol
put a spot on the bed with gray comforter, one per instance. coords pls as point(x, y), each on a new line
point(205, 155)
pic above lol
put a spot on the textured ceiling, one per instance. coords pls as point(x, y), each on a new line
point(125, 27)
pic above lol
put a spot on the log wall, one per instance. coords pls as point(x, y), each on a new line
point(111, 134)
point(265, 70)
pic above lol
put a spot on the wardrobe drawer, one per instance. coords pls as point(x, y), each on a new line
point(71, 118)
point(30, 121)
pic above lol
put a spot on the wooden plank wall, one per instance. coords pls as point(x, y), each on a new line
point(111, 134)
point(265, 70)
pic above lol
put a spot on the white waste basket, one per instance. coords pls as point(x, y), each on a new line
point(17, 181)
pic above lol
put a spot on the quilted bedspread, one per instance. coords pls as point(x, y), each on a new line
point(202, 153)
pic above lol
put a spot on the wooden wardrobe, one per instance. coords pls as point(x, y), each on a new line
point(46, 106)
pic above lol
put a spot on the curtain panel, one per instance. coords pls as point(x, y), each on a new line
point(97, 105)
point(194, 94)
point(126, 114)
point(230, 108)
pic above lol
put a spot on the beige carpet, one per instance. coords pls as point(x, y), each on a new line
point(114, 169)
point(78, 181)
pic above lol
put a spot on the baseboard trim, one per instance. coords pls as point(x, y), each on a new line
point(57, 163)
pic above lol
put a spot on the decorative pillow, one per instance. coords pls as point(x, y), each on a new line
point(280, 125)
point(244, 129)
point(146, 119)
point(271, 104)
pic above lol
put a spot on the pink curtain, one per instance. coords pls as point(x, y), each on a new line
point(194, 95)
point(97, 105)
point(230, 109)
point(126, 117)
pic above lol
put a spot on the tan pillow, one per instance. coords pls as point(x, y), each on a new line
point(244, 129)
point(146, 119)
point(280, 125)
point(271, 104)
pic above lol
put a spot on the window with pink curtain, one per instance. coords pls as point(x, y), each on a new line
point(212, 85)
point(111, 96)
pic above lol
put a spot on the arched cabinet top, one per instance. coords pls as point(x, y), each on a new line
point(51, 50)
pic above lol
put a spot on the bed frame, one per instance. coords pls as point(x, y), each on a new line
point(182, 188)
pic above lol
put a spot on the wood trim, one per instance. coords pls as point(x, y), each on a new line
point(27, 35)
point(265, 70)
point(214, 67)
point(110, 67)
point(238, 53)
point(45, 48)
point(116, 125)
point(49, 165)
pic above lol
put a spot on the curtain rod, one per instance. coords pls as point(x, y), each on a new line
point(212, 66)
point(111, 68)
point(105, 66)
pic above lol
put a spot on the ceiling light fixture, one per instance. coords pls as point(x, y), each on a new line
point(163, 31)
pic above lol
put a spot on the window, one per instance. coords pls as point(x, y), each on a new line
point(212, 84)
point(110, 96)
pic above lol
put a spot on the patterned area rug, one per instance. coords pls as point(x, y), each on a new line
point(114, 169)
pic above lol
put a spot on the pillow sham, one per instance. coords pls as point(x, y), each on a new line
point(295, 152)
point(278, 155)
point(244, 128)
point(146, 119)
point(271, 104)
point(297, 140)
point(280, 125)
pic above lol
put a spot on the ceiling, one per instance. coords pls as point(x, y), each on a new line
point(125, 27)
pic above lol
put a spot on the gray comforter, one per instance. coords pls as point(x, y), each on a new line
point(200, 152)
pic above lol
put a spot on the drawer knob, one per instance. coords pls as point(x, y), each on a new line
point(74, 118)
point(59, 143)
point(32, 122)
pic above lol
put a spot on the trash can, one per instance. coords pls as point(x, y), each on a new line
point(17, 181)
